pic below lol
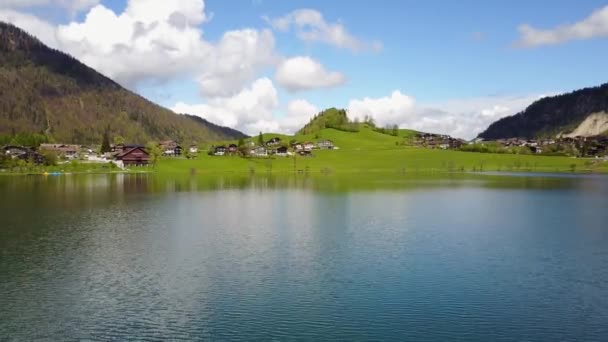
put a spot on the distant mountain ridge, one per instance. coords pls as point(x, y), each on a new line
point(45, 91)
point(555, 115)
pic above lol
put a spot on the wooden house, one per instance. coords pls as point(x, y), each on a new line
point(170, 148)
point(233, 148)
point(273, 142)
point(14, 150)
point(219, 150)
point(134, 155)
point(325, 144)
point(63, 150)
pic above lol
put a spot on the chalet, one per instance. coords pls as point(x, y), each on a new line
point(117, 149)
point(298, 146)
point(14, 150)
point(170, 148)
point(233, 148)
point(62, 150)
point(32, 156)
point(456, 143)
point(273, 142)
point(134, 155)
point(281, 151)
point(219, 150)
point(325, 144)
point(308, 146)
point(193, 149)
point(260, 151)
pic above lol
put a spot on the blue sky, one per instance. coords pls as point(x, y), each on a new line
point(445, 66)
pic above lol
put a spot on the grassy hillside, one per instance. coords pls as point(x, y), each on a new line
point(44, 91)
point(368, 151)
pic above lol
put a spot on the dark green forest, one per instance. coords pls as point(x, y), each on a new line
point(51, 96)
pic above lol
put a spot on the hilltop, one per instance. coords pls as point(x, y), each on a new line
point(581, 112)
point(49, 93)
point(329, 118)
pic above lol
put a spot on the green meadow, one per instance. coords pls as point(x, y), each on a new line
point(368, 151)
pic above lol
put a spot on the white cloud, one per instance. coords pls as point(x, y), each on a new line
point(298, 114)
point(39, 28)
point(460, 118)
point(310, 26)
point(596, 25)
point(157, 41)
point(250, 110)
point(235, 60)
point(73, 6)
point(393, 109)
point(303, 73)
point(22, 3)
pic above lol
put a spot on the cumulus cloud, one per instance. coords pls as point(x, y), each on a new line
point(250, 110)
point(596, 25)
point(310, 26)
point(235, 59)
point(396, 108)
point(73, 6)
point(23, 3)
point(253, 110)
point(39, 28)
point(156, 41)
point(463, 118)
point(299, 112)
point(303, 73)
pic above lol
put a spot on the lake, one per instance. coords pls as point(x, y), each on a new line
point(375, 257)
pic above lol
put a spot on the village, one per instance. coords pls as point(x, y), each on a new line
point(128, 155)
point(585, 147)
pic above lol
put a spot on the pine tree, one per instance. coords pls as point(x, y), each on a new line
point(105, 143)
point(261, 139)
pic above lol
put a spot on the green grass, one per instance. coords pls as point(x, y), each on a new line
point(368, 151)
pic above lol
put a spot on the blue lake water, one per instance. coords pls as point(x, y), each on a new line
point(476, 258)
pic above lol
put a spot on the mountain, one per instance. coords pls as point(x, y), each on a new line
point(581, 112)
point(47, 92)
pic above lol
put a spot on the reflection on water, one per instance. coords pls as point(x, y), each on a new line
point(94, 185)
point(382, 257)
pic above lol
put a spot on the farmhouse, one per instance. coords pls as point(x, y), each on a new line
point(62, 150)
point(170, 148)
point(23, 153)
point(193, 149)
point(219, 150)
point(325, 144)
point(260, 151)
point(273, 142)
point(14, 150)
point(233, 148)
point(281, 151)
point(308, 146)
point(134, 155)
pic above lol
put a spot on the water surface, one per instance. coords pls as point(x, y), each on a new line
point(395, 257)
